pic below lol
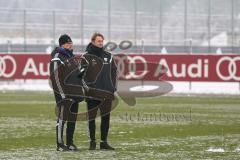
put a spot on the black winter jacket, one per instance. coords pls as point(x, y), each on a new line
point(106, 79)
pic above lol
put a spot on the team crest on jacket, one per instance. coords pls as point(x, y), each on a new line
point(94, 62)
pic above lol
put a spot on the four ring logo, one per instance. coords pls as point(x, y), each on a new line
point(8, 66)
point(233, 68)
point(128, 67)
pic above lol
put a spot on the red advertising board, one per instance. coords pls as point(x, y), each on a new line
point(24, 66)
point(219, 68)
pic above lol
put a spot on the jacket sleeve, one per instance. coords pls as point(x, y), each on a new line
point(83, 65)
point(93, 69)
point(114, 75)
point(55, 77)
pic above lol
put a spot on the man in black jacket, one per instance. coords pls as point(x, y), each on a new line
point(60, 56)
point(106, 80)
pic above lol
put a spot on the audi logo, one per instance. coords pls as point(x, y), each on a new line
point(7, 62)
point(233, 68)
point(111, 46)
point(127, 67)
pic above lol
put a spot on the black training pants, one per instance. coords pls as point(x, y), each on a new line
point(105, 108)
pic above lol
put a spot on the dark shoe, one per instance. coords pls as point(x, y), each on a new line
point(105, 145)
point(92, 145)
point(62, 147)
point(72, 147)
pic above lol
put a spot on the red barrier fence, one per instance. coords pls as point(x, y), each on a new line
point(219, 68)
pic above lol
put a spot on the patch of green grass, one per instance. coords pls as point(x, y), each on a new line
point(27, 128)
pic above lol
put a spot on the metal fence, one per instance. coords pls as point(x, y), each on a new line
point(188, 26)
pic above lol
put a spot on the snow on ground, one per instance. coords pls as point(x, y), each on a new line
point(228, 88)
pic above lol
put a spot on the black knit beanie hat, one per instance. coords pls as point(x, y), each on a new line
point(64, 39)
